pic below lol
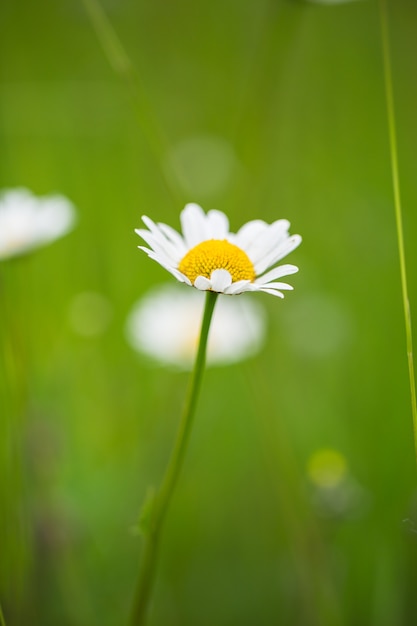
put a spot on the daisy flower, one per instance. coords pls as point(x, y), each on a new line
point(28, 221)
point(210, 257)
point(165, 326)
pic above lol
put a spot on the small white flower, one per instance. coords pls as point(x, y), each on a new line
point(165, 325)
point(209, 257)
point(27, 221)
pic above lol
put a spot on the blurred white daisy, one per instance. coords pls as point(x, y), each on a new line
point(165, 325)
point(209, 257)
point(28, 221)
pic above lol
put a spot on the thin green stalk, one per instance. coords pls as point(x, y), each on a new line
point(163, 497)
point(2, 620)
point(122, 65)
point(397, 202)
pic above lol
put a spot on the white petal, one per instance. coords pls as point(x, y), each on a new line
point(156, 256)
point(194, 225)
point(218, 225)
point(248, 232)
point(273, 292)
point(147, 250)
point(239, 287)
point(159, 258)
point(172, 271)
point(220, 280)
point(165, 263)
point(165, 251)
point(202, 283)
point(179, 275)
point(274, 256)
point(56, 217)
point(277, 272)
point(155, 238)
point(28, 221)
point(173, 236)
point(154, 229)
point(149, 223)
point(264, 289)
point(150, 238)
point(284, 286)
point(268, 240)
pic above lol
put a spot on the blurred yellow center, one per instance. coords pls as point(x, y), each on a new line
point(327, 467)
point(216, 254)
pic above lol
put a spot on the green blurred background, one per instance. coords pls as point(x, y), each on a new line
point(262, 109)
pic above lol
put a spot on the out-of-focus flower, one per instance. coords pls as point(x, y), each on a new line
point(209, 257)
point(336, 494)
point(28, 221)
point(327, 467)
point(90, 313)
point(165, 325)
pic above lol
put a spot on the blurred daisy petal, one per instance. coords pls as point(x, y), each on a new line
point(165, 325)
point(28, 222)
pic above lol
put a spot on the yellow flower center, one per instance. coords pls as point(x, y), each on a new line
point(215, 254)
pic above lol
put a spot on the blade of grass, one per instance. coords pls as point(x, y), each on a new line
point(2, 620)
point(389, 93)
point(122, 65)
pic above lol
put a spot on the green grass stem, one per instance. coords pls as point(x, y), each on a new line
point(389, 91)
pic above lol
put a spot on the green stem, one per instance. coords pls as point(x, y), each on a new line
point(2, 620)
point(398, 211)
point(163, 496)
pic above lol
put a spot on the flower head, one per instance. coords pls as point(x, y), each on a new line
point(209, 257)
point(335, 492)
point(27, 221)
point(327, 467)
point(165, 325)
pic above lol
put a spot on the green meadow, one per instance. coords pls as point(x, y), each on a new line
point(263, 109)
